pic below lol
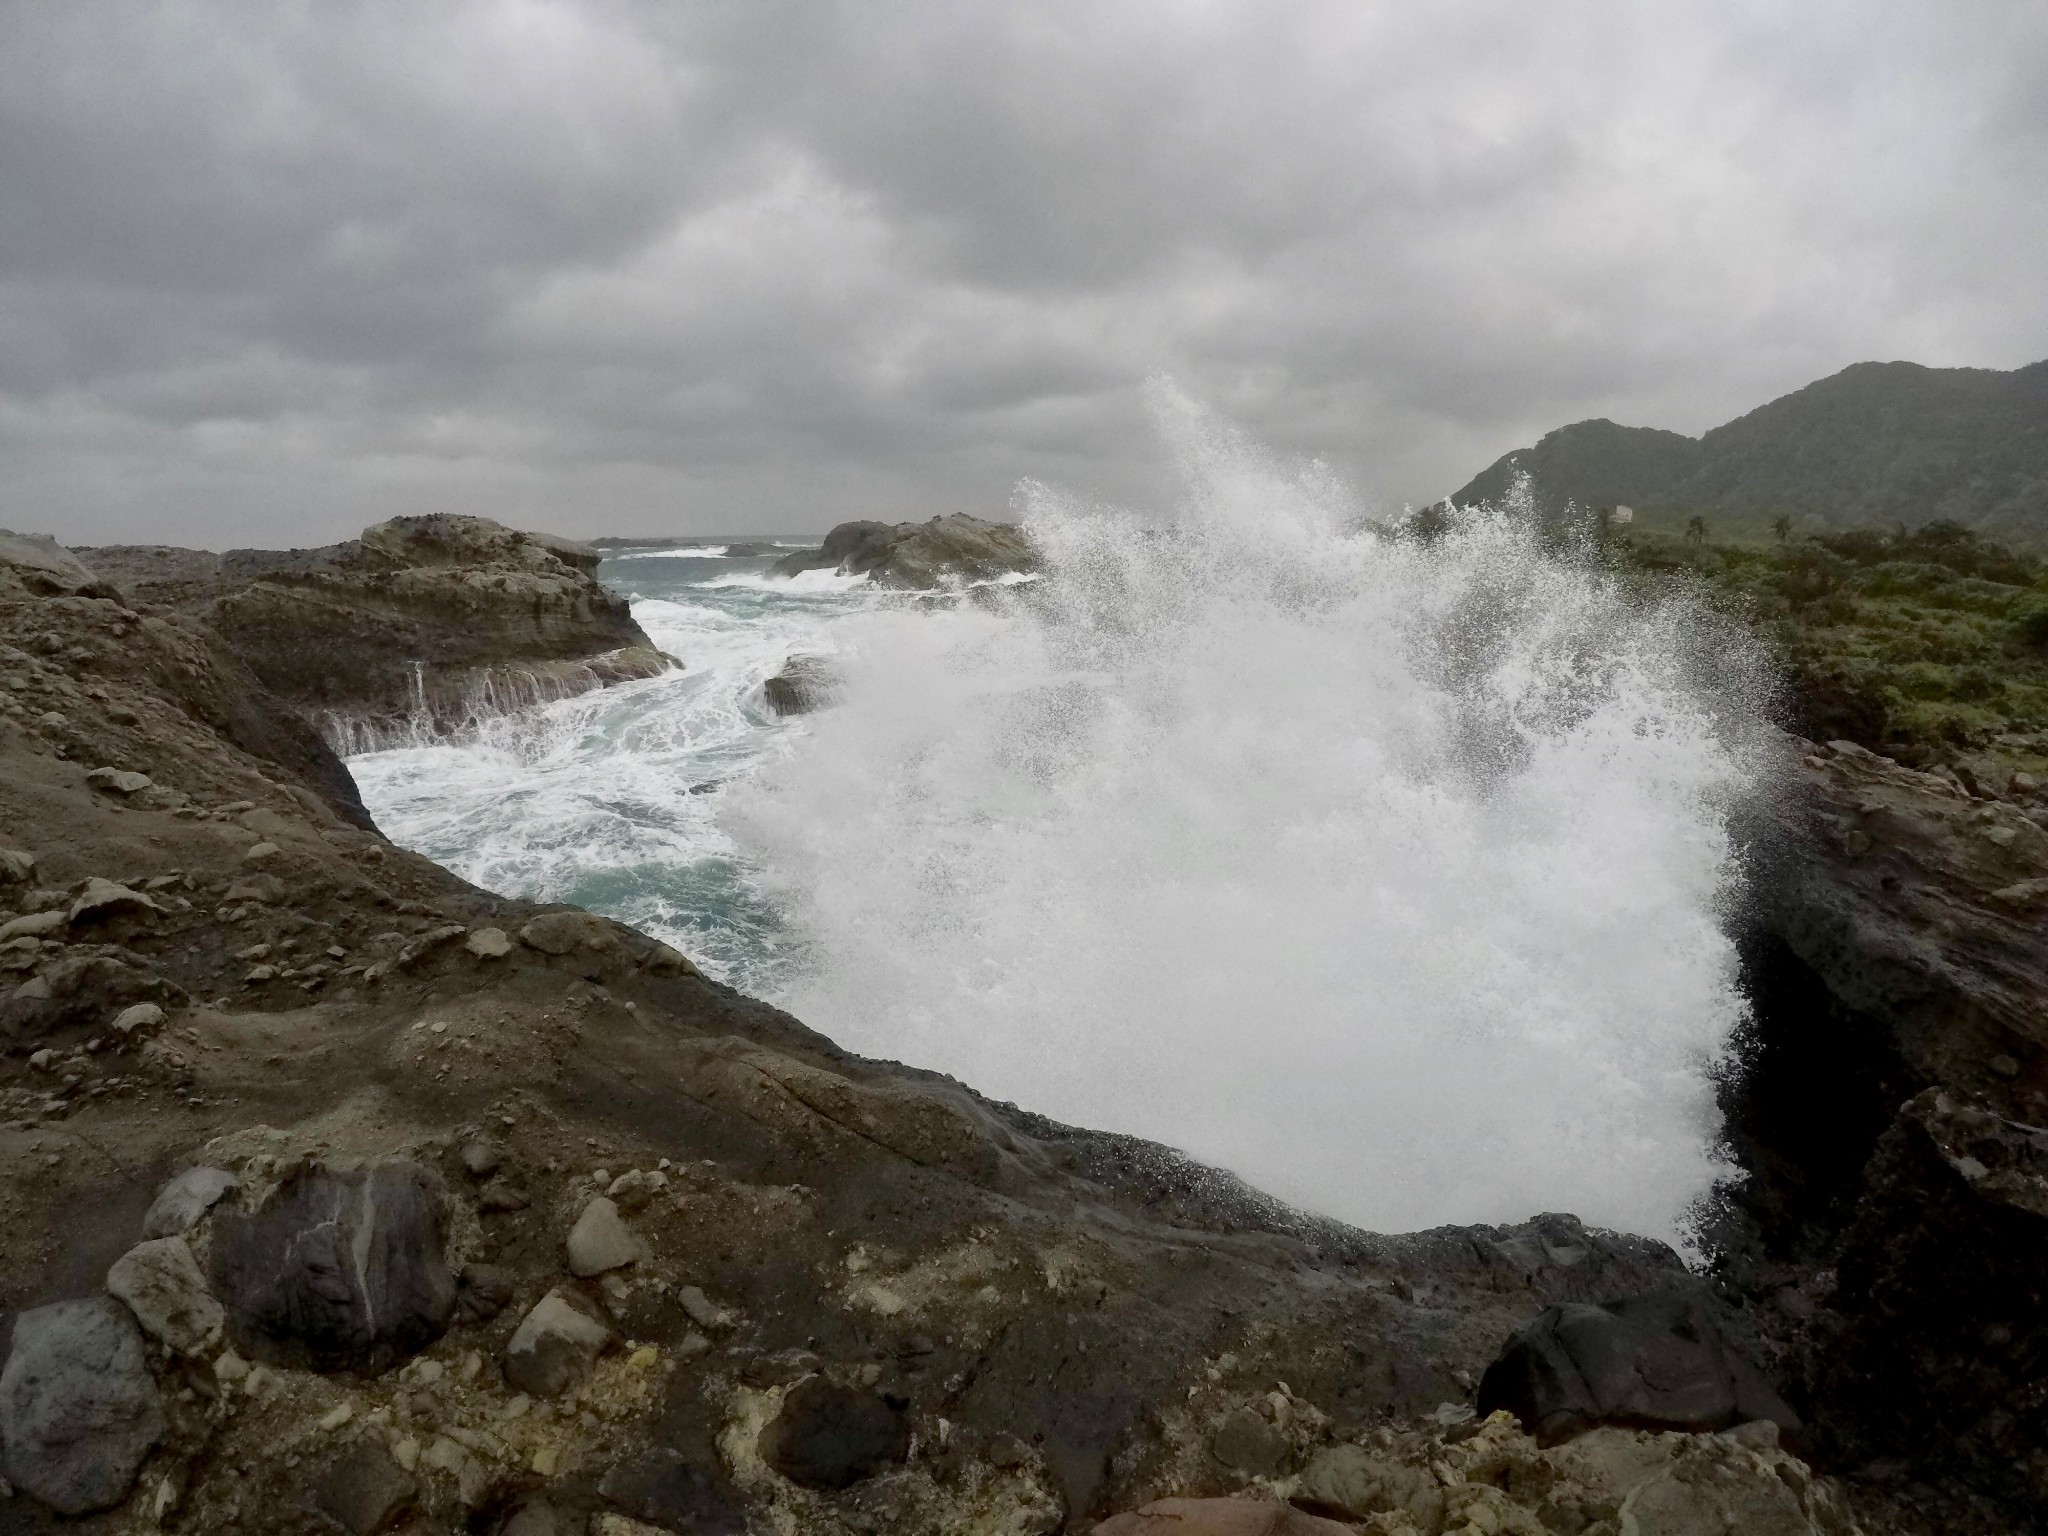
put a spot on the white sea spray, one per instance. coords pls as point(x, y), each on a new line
point(1390, 874)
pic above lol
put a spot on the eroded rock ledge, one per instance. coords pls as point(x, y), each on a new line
point(423, 624)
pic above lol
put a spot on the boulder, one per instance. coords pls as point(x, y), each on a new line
point(1659, 1361)
point(929, 554)
point(554, 1346)
point(1940, 1312)
point(160, 1282)
point(339, 1270)
point(805, 683)
point(78, 1408)
point(602, 1241)
point(827, 1436)
point(117, 781)
point(1219, 1517)
point(563, 933)
point(104, 899)
point(181, 1203)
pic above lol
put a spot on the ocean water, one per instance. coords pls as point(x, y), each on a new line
point(1390, 875)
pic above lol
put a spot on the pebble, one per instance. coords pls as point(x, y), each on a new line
point(260, 853)
point(337, 1416)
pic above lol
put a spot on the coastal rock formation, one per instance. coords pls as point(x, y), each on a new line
point(375, 1104)
point(424, 623)
point(856, 1293)
point(805, 683)
point(944, 551)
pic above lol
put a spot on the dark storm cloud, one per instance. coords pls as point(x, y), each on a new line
point(268, 272)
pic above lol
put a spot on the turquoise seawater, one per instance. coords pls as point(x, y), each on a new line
point(612, 800)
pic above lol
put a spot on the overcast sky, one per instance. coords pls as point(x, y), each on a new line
point(271, 271)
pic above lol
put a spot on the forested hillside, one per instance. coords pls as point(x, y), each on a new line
point(1878, 445)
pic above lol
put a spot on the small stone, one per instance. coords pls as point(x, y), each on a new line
point(2006, 1067)
point(116, 782)
point(161, 1284)
point(406, 1452)
point(122, 714)
point(631, 1191)
point(601, 1241)
point(500, 1198)
point(230, 1367)
point(337, 1416)
point(424, 1372)
point(44, 1060)
point(546, 1459)
point(702, 1310)
point(365, 1491)
point(480, 1159)
point(17, 866)
point(1246, 1442)
point(643, 1357)
point(138, 1016)
point(1757, 1434)
point(554, 1347)
point(260, 973)
point(260, 853)
point(181, 1203)
point(488, 943)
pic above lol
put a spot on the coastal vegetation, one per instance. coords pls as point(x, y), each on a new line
point(1928, 644)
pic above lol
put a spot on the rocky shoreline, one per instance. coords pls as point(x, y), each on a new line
point(343, 1195)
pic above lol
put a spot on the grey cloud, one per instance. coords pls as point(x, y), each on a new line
point(268, 273)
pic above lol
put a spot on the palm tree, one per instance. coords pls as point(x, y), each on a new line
point(1696, 530)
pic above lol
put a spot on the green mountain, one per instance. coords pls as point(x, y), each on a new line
point(1878, 444)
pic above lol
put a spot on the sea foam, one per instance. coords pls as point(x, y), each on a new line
point(1390, 874)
